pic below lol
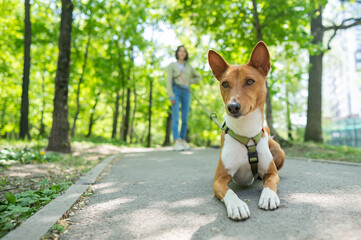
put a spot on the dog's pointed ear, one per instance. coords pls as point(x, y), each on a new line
point(217, 64)
point(260, 58)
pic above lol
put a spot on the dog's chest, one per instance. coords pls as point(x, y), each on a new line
point(235, 159)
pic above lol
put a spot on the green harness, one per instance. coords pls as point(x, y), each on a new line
point(252, 151)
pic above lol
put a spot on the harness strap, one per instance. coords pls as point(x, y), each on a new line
point(252, 150)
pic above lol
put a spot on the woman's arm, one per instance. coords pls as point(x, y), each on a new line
point(169, 83)
point(196, 77)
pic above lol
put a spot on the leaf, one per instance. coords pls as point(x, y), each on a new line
point(3, 207)
point(8, 226)
point(46, 199)
point(44, 182)
point(25, 209)
point(56, 187)
point(9, 196)
point(24, 201)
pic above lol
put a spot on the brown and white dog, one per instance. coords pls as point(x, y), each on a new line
point(243, 89)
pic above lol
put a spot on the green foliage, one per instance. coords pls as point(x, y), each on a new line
point(27, 155)
point(58, 228)
point(122, 56)
point(10, 197)
point(3, 181)
point(324, 151)
point(16, 208)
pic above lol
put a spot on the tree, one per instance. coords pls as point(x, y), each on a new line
point(150, 103)
point(93, 119)
point(126, 119)
point(79, 84)
point(42, 125)
point(314, 102)
point(116, 115)
point(59, 136)
point(24, 119)
point(168, 128)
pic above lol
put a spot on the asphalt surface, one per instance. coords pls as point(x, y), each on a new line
point(169, 195)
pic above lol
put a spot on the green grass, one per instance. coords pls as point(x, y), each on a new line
point(324, 151)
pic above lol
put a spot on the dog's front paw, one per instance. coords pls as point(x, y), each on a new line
point(269, 200)
point(236, 208)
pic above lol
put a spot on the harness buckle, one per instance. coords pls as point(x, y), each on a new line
point(252, 155)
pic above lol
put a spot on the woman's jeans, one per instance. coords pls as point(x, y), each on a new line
point(183, 96)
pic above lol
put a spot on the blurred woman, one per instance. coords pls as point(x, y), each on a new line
point(180, 76)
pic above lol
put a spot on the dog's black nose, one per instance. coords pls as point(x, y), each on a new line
point(234, 107)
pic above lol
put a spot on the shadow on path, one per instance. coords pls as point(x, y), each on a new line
point(169, 195)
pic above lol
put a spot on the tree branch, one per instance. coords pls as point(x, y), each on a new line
point(256, 21)
point(329, 40)
point(343, 25)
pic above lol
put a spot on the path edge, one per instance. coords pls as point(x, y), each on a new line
point(325, 161)
point(39, 224)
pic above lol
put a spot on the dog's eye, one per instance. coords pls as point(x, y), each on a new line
point(225, 84)
point(250, 82)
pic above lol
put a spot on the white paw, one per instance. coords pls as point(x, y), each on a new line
point(236, 208)
point(269, 200)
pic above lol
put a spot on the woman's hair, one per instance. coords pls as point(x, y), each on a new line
point(176, 52)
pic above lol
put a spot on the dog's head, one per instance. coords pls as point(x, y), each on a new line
point(243, 87)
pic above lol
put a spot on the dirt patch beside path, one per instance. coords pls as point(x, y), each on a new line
point(18, 177)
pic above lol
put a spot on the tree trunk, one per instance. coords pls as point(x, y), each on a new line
point(127, 106)
point(123, 116)
point(288, 113)
point(149, 138)
point(269, 117)
point(314, 101)
point(59, 136)
point(168, 129)
point(42, 126)
point(126, 116)
point(122, 83)
point(79, 84)
point(24, 119)
point(2, 116)
point(131, 129)
point(116, 114)
point(92, 119)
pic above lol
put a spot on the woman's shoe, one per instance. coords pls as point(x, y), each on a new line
point(185, 145)
point(178, 146)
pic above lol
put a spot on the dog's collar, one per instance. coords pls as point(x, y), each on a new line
point(252, 150)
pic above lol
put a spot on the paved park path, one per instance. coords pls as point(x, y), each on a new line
point(169, 195)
